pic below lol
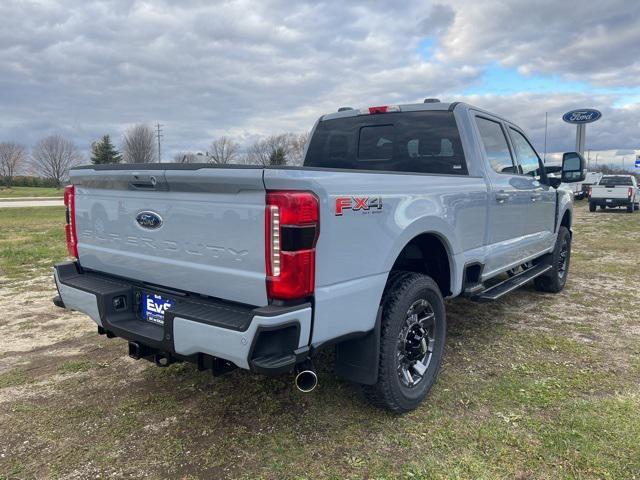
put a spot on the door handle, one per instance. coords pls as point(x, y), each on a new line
point(535, 197)
point(502, 196)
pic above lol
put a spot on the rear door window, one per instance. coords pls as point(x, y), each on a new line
point(495, 145)
point(420, 142)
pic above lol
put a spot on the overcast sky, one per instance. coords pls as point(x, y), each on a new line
point(251, 68)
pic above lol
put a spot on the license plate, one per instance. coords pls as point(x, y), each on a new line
point(609, 200)
point(154, 306)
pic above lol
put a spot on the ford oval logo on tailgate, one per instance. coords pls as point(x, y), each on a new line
point(149, 220)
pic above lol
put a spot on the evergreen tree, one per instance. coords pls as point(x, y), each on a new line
point(278, 157)
point(103, 151)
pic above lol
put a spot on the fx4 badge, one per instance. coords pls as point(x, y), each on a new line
point(358, 204)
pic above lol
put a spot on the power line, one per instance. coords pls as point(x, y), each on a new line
point(159, 135)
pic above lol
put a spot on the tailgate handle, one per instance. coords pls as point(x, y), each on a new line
point(140, 184)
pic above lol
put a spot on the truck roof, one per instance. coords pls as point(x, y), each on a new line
point(413, 107)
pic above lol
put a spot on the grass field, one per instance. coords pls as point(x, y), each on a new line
point(21, 192)
point(533, 386)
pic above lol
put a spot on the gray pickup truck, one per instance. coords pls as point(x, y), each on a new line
point(395, 209)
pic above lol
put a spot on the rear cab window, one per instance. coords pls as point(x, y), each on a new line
point(413, 142)
point(614, 181)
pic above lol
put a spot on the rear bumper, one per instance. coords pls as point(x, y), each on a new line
point(610, 202)
point(265, 340)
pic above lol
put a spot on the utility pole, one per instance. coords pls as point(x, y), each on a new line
point(544, 157)
point(159, 135)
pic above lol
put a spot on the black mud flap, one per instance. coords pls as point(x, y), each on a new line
point(357, 359)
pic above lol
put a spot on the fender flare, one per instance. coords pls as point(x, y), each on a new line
point(357, 358)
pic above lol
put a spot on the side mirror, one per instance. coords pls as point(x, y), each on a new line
point(574, 168)
point(554, 182)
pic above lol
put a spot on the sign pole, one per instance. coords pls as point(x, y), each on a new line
point(581, 132)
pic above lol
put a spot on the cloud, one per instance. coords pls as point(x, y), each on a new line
point(248, 68)
point(439, 19)
point(590, 41)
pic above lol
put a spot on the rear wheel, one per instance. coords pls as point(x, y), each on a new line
point(412, 342)
point(592, 207)
point(602, 207)
point(630, 208)
point(555, 279)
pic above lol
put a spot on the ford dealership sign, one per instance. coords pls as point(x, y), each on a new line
point(585, 115)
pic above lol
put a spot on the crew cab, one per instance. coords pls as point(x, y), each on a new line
point(395, 209)
point(615, 191)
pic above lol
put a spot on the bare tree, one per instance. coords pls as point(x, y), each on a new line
point(273, 150)
point(139, 144)
point(258, 153)
point(53, 156)
point(182, 157)
point(224, 150)
point(12, 156)
point(297, 145)
point(190, 157)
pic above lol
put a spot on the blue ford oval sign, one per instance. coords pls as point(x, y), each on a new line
point(149, 220)
point(585, 115)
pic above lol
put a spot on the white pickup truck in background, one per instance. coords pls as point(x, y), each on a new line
point(580, 190)
point(615, 191)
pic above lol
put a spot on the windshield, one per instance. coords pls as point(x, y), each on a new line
point(421, 142)
point(614, 181)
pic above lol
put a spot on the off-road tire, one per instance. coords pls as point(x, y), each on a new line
point(403, 289)
point(553, 281)
point(592, 207)
point(631, 208)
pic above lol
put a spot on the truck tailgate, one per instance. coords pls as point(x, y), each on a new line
point(614, 191)
point(206, 233)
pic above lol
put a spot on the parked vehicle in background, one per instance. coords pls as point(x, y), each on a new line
point(615, 191)
point(591, 179)
point(579, 190)
point(575, 189)
point(395, 209)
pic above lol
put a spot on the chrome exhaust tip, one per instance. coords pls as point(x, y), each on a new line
point(306, 378)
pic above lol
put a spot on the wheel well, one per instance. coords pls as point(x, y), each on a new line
point(566, 220)
point(427, 254)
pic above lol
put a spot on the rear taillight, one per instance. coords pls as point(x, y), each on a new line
point(589, 192)
point(630, 192)
point(292, 225)
point(70, 225)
